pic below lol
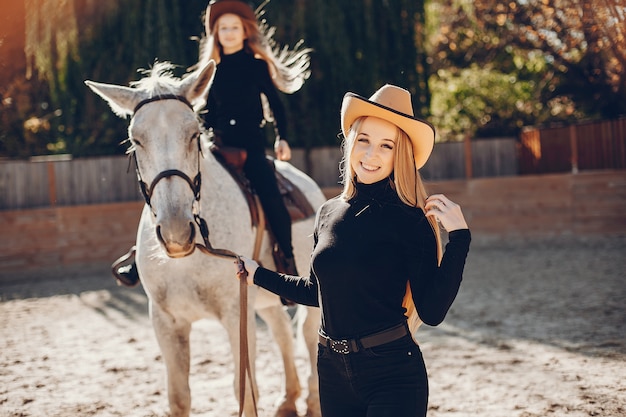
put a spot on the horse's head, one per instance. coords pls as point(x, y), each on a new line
point(164, 137)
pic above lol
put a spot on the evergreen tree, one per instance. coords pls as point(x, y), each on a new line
point(358, 47)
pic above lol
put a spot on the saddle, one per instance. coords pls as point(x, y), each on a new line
point(294, 199)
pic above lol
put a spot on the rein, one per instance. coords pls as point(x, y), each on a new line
point(242, 275)
point(207, 248)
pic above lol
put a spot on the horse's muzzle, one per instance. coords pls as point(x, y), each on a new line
point(175, 249)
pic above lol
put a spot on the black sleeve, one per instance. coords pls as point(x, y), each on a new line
point(434, 287)
point(271, 92)
point(208, 116)
point(302, 290)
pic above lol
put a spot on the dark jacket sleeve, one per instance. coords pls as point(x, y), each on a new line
point(271, 92)
point(208, 116)
point(434, 287)
point(302, 290)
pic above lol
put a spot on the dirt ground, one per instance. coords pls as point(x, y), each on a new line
point(538, 329)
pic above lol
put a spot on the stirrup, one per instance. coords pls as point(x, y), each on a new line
point(125, 272)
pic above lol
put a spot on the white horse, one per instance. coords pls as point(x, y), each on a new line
point(183, 181)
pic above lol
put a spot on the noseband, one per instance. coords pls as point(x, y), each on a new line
point(194, 184)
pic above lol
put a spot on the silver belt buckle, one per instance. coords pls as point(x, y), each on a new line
point(340, 346)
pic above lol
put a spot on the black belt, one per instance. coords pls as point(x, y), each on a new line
point(345, 346)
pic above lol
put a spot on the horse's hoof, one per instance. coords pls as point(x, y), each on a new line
point(286, 413)
point(286, 410)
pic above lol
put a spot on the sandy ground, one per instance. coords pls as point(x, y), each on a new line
point(538, 329)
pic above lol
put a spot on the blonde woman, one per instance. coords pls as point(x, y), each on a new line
point(377, 267)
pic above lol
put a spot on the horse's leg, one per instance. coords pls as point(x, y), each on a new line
point(173, 338)
point(231, 324)
point(279, 323)
point(310, 327)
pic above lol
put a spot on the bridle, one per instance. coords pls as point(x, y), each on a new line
point(194, 184)
point(207, 248)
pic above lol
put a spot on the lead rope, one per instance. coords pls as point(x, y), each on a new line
point(244, 359)
point(242, 275)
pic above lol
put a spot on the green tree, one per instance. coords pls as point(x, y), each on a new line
point(69, 41)
point(562, 59)
point(356, 49)
point(583, 40)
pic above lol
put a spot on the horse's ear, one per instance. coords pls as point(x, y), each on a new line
point(122, 100)
point(195, 86)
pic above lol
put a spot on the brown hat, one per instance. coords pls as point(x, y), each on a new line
point(219, 7)
point(393, 104)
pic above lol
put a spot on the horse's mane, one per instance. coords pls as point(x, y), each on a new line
point(158, 80)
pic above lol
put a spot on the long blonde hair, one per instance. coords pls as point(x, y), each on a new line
point(289, 68)
point(407, 182)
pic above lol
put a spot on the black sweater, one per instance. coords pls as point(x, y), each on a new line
point(234, 107)
point(365, 250)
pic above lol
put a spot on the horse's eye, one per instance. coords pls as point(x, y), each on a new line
point(195, 137)
point(134, 142)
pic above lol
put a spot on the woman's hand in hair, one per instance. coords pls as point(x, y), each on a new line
point(447, 212)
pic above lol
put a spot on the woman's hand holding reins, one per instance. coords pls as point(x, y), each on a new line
point(249, 265)
point(282, 150)
point(446, 212)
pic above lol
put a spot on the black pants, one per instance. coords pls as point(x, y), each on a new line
point(384, 381)
point(262, 178)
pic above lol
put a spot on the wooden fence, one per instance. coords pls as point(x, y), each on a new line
point(582, 146)
point(54, 181)
point(62, 181)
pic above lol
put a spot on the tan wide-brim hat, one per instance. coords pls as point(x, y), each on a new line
point(218, 8)
point(393, 104)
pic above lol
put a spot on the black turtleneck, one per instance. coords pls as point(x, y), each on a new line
point(365, 250)
point(234, 107)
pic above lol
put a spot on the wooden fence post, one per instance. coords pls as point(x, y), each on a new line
point(52, 184)
point(574, 148)
point(468, 156)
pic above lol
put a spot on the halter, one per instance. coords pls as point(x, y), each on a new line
point(194, 184)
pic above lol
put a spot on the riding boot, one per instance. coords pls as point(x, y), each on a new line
point(124, 269)
point(128, 275)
